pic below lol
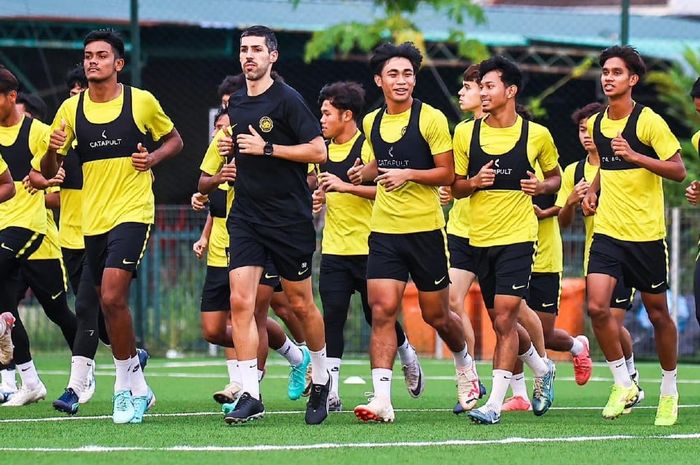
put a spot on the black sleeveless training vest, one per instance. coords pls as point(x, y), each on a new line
point(610, 161)
point(511, 167)
point(340, 168)
point(217, 203)
point(116, 139)
point(18, 156)
point(410, 151)
point(74, 171)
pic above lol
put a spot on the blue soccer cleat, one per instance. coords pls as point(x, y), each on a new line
point(68, 402)
point(484, 415)
point(142, 404)
point(297, 376)
point(123, 407)
point(143, 356)
point(543, 393)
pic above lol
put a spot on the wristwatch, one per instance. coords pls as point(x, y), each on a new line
point(267, 151)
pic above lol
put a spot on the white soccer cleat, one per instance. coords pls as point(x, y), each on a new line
point(229, 394)
point(26, 396)
point(89, 389)
point(468, 389)
point(378, 409)
point(6, 393)
point(413, 377)
point(7, 321)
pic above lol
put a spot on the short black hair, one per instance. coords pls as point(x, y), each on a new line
point(387, 51)
point(628, 54)
point(262, 31)
point(695, 91)
point(219, 113)
point(8, 81)
point(510, 73)
point(524, 112)
point(587, 111)
point(76, 75)
point(231, 84)
point(346, 95)
point(110, 36)
point(34, 105)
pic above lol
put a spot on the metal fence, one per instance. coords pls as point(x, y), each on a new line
point(165, 296)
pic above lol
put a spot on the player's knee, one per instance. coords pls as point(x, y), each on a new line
point(503, 324)
point(598, 311)
point(113, 303)
point(659, 317)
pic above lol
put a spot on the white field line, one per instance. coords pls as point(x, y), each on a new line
point(355, 445)
point(285, 412)
point(223, 375)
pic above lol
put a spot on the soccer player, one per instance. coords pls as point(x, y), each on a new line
point(575, 183)
point(501, 183)
point(410, 152)
point(276, 137)
point(345, 233)
point(216, 293)
point(692, 193)
point(637, 150)
point(25, 251)
point(7, 320)
point(109, 121)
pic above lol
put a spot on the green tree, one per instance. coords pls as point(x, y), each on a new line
point(396, 25)
point(674, 86)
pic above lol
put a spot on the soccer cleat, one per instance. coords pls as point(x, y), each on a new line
point(123, 407)
point(619, 397)
point(307, 389)
point(25, 396)
point(413, 377)
point(297, 375)
point(6, 346)
point(482, 389)
point(6, 393)
point(143, 356)
point(229, 394)
point(334, 403)
point(484, 415)
point(640, 396)
point(89, 390)
point(543, 393)
point(317, 406)
point(68, 402)
point(378, 409)
point(583, 366)
point(247, 408)
point(516, 404)
point(667, 412)
point(143, 404)
point(467, 387)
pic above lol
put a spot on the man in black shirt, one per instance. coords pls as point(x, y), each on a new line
point(276, 137)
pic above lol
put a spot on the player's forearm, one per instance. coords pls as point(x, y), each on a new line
point(549, 212)
point(171, 146)
point(366, 192)
point(50, 164)
point(673, 168)
point(310, 152)
point(53, 200)
point(462, 187)
point(551, 183)
point(206, 231)
point(7, 186)
point(207, 183)
point(438, 176)
point(566, 215)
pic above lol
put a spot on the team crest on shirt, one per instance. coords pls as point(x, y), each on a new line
point(265, 124)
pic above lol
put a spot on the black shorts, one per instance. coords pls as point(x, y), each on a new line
point(504, 270)
point(216, 293)
point(423, 255)
point(622, 296)
point(47, 279)
point(461, 253)
point(641, 265)
point(270, 276)
point(544, 292)
point(122, 247)
point(291, 248)
point(344, 274)
point(16, 244)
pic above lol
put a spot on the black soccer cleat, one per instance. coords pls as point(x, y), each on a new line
point(317, 407)
point(247, 408)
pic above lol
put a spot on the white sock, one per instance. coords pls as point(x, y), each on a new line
point(28, 374)
point(8, 378)
point(234, 373)
point(79, 369)
point(381, 380)
point(536, 363)
point(249, 377)
point(291, 352)
point(619, 372)
point(333, 365)
point(407, 353)
point(139, 387)
point(319, 372)
point(517, 384)
point(577, 347)
point(462, 358)
point(122, 381)
point(631, 368)
point(261, 375)
point(501, 381)
point(668, 382)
